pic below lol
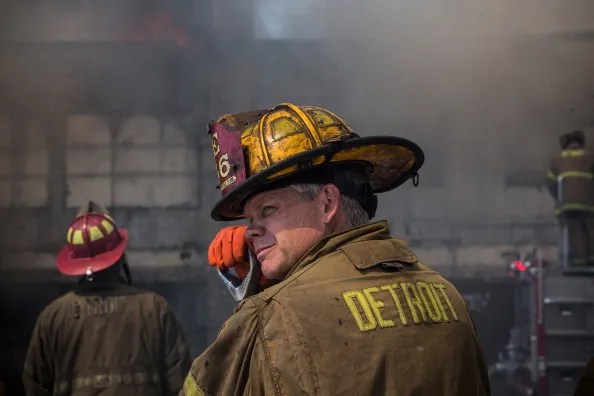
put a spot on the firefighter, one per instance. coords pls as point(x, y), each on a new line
point(573, 170)
point(106, 336)
point(345, 308)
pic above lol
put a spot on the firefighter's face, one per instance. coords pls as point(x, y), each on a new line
point(284, 226)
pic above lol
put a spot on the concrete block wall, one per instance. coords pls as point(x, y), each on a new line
point(151, 172)
point(23, 166)
point(144, 162)
point(158, 178)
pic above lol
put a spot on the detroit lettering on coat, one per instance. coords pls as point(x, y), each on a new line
point(410, 303)
point(96, 306)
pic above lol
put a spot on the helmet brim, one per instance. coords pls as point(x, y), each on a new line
point(69, 265)
point(393, 160)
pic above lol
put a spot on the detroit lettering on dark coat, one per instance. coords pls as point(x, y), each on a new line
point(410, 303)
point(97, 306)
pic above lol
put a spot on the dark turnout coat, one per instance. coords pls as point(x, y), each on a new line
point(106, 339)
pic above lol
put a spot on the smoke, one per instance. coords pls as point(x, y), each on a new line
point(484, 87)
point(481, 60)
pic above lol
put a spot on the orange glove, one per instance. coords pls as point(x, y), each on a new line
point(228, 249)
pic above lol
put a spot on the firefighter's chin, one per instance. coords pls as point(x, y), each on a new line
point(273, 265)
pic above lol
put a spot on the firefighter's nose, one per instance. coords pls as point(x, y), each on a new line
point(253, 231)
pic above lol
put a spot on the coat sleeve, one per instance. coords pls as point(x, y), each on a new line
point(237, 362)
point(176, 355)
point(38, 373)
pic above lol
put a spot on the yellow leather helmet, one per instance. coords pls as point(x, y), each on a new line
point(257, 150)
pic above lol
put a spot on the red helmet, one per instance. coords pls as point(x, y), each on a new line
point(94, 242)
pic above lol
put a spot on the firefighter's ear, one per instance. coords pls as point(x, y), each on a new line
point(330, 201)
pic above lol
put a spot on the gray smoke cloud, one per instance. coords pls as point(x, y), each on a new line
point(484, 87)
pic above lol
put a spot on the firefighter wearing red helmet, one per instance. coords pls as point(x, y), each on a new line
point(342, 307)
point(105, 336)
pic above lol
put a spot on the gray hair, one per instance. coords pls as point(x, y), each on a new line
point(355, 214)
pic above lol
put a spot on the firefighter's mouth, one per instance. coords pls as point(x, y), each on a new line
point(261, 252)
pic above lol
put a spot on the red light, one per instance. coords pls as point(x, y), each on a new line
point(520, 266)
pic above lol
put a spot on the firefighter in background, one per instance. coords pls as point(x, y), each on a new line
point(106, 336)
point(573, 170)
point(345, 308)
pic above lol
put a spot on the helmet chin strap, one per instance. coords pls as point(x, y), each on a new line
point(126, 270)
point(249, 286)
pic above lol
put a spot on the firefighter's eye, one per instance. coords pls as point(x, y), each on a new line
point(267, 210)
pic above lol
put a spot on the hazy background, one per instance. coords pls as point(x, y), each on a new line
point(109, 100)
